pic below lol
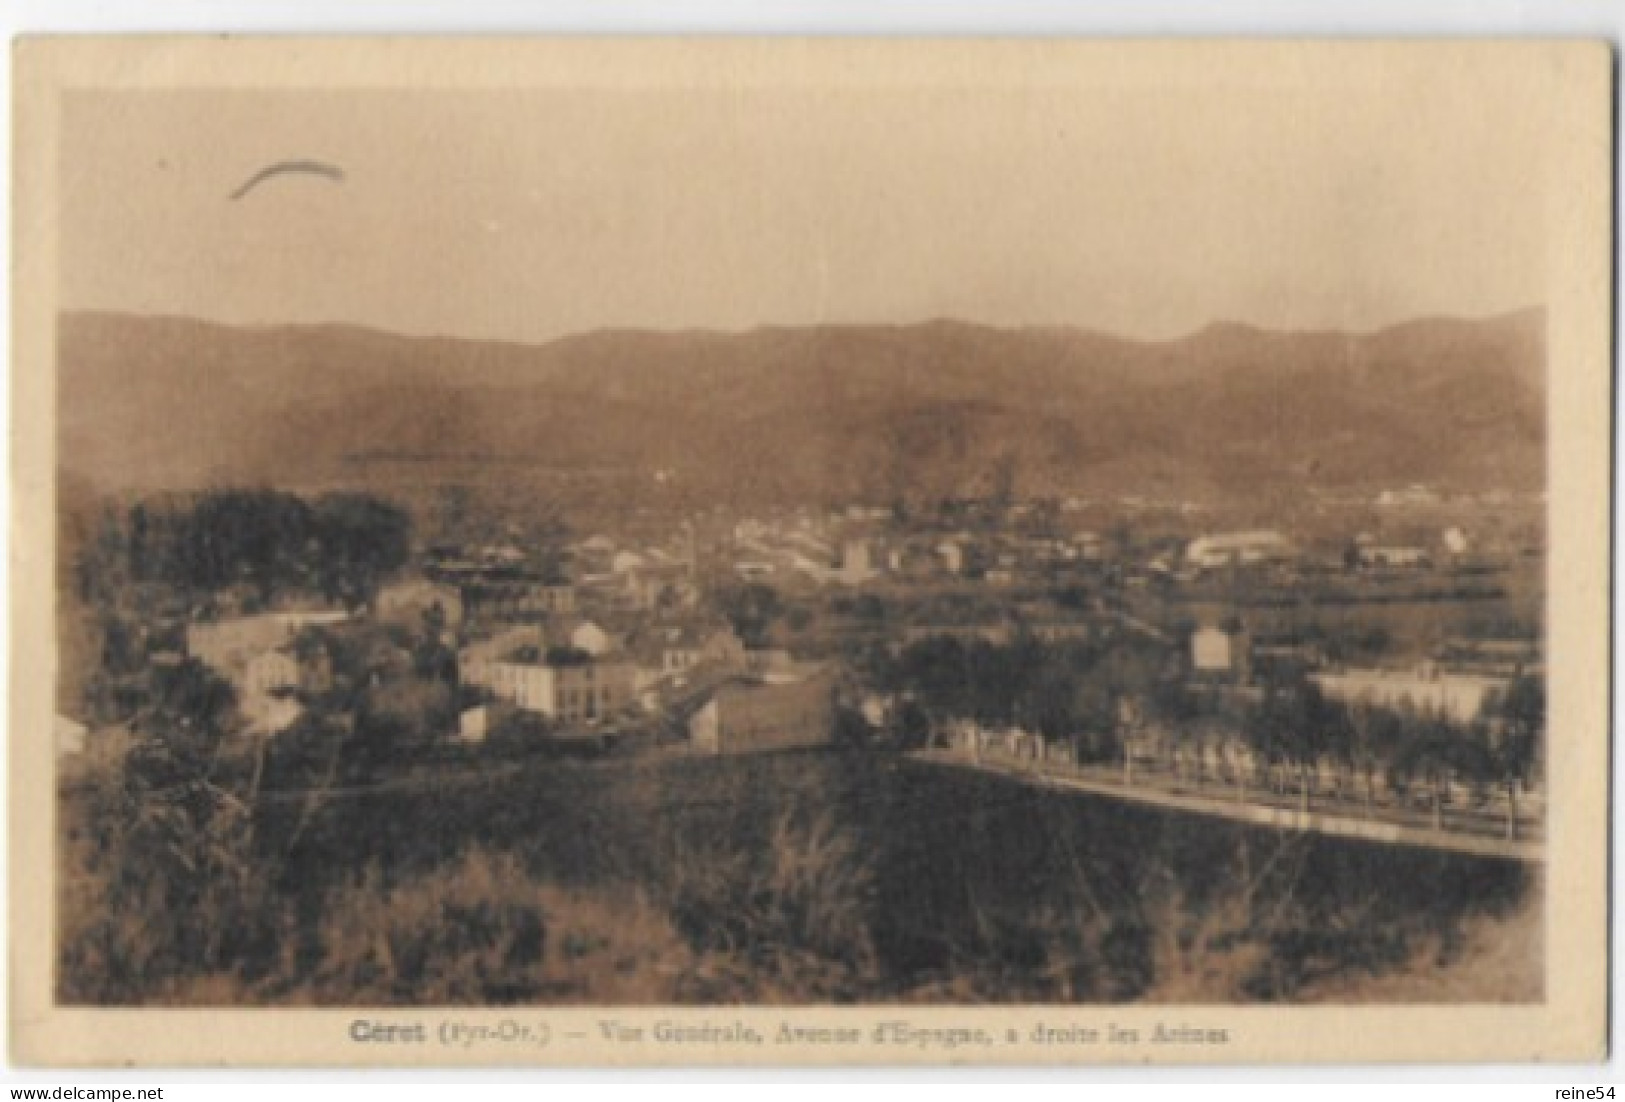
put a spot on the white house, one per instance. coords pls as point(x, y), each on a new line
point(1457, 696)
point(718, 646)
point(272, 714)
point(264, 700)
point(877, 709)
point(253, 653)
point(580, 690)
point(857, 562)
point(625, 562)
point(228, 646)
point(474, 724)
point(269, 672)
point(591, 638)
point(1394, 557)
point(1239, 549)
point(1213, 651)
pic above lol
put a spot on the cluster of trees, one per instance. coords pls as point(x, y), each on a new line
point(339, 545)
point(1068, 690)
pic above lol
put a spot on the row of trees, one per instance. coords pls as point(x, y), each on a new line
point(1297, 725)
point(1096, 698)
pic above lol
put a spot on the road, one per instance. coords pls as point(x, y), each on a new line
point(1461, 830)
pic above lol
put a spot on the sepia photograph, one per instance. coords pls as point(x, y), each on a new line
point(811, 551)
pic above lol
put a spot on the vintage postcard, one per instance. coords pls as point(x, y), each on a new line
point(809, 552)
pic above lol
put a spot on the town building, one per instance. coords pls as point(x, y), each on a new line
point(667, 655)
point(512, 598)
point(589, 637)
point(682, 648)
point(626, 562)
point(1506, 658)
point(761, 717)
point(1425, 688)
point(1219, 653)
point(268, 672)
point(476, 659)
point(1394, 558)
point(227, 645)
point(473, 724)
point(271, 714)
point(567, 690)
point(255, 653)
point(658, 585)
point(857, 563)
point(1410, 497)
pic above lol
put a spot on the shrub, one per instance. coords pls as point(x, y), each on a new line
point(484, 931)
point(470, 933)
point(163, 888)
point(792, 920)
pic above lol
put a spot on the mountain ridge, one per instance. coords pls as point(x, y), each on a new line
point(935, 408)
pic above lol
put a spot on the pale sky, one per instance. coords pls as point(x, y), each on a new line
point(1144, 210)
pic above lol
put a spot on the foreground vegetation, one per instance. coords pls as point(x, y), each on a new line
point(816, 878)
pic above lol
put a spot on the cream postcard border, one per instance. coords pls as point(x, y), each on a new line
point(1569, 1026)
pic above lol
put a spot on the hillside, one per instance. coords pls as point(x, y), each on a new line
point(802, 413)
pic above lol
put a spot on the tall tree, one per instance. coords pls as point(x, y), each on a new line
point(1520, 730)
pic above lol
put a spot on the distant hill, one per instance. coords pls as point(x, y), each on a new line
point(835, 412)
